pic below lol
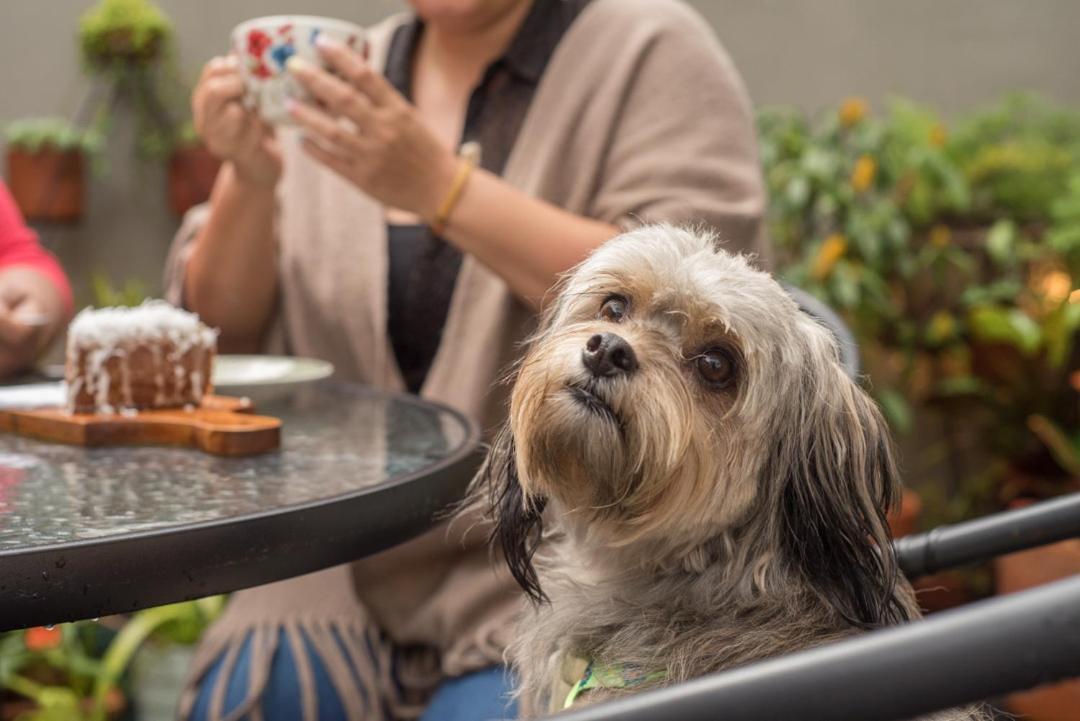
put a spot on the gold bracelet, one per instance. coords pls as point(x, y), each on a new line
point(442, 215)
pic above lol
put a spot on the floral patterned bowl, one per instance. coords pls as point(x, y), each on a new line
point(265, 44)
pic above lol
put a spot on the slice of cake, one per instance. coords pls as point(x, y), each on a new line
point(150, 356)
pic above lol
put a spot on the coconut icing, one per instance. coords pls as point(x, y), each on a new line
point(104, 333)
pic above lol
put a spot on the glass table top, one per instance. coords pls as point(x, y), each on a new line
point(337, 438)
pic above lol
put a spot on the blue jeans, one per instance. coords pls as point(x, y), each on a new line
point(478, 696)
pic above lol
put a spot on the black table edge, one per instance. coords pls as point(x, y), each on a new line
point(89, 578)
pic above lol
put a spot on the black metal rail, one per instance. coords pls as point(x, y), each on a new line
point(990, 536)
point(957, 657)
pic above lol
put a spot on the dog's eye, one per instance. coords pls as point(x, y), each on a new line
point(716, 366)
point(614, 308)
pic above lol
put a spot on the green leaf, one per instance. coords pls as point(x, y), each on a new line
point(1001, 242)
point(797, 191)
point(844, 285)
point(1012, 326)
point(896, 409)
point(1059, 331)
point(960, 386)
point(1064, 450)
point(1001, 291)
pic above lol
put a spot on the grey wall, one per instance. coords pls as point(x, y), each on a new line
point(952, 53)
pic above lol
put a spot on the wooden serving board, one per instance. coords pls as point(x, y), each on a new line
point(221, 426)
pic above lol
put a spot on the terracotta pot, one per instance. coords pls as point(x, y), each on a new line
point(904, 520)
point(48, 184)
point(1015, 572)
point(192, 171)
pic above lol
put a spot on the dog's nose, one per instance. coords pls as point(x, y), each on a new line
point(607, 354)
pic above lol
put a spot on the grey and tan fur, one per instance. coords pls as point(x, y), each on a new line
point(710, 487)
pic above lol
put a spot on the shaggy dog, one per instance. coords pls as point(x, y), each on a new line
point(688, 480)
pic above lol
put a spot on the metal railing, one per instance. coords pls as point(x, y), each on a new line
point(984, 538)
point(953, 658)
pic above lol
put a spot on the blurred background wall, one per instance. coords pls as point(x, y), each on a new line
point(953, 54)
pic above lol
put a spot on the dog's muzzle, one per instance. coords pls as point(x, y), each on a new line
point(607, 355)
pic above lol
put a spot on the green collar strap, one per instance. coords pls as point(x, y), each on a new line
point(618, 676)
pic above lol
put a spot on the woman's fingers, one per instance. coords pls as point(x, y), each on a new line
point(338, 96)
point(333, 160)
point(216, 97)
point(326, 127)
point(351, 66)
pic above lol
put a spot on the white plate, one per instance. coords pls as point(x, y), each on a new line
point(32, 395)
point(261, 377)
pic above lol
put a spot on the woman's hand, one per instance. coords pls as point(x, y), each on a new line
point(231, 131)
point(364, 130)
point(31, 314)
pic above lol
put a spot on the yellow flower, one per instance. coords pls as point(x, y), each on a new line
point(853, 110)
point(1055, 287)
point(862, 176)
point(940, 236)
point(938, 136)
point(942, 327)
point(831, 250)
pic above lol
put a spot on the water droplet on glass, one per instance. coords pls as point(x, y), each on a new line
point(45, 575)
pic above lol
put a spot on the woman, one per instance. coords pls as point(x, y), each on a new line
point(376, 245)
point(35, 297)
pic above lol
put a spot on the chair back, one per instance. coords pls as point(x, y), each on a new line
point(816, 309)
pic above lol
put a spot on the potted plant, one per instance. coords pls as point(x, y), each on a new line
point(128, 44)
point(106, 294)
point(955, 255)
point(79, 671)
point(192, 171)
point(46, 162)
point(123, 32)
point(50, 673)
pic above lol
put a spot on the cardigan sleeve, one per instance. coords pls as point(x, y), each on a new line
point(19, 247)
point(176, 264)
point(684, 146)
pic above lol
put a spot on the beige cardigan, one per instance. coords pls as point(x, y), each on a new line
point(640, 116)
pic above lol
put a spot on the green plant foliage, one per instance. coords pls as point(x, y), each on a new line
point(69, 672)
point(127, 31)
point(954, 253)
point(35, 134)
point(106, 294)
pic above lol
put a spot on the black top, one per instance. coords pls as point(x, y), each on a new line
point(423, 268)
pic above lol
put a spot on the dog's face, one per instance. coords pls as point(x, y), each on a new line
point(674, 392)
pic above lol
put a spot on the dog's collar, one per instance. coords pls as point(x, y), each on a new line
point(617, 676)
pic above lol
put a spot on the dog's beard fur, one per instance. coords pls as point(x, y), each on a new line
point(688, 528)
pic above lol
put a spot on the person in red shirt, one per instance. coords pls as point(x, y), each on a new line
point(35, 296)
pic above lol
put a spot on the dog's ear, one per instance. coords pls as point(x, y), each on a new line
point(838, 480)
point(518, 523)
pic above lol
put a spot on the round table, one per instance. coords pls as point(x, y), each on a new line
point(91, 532)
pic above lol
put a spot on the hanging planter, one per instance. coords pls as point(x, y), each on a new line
point(131, 33)
point(46, 168)
point(192, 171)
